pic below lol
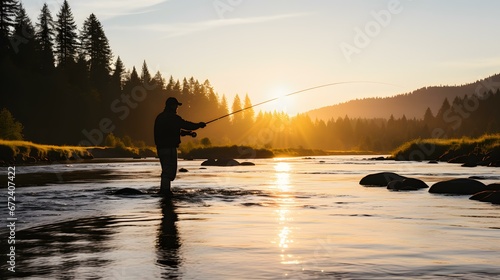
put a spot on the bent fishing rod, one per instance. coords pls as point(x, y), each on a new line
point(296, 92)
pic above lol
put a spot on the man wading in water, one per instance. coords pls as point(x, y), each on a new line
point(169, 127)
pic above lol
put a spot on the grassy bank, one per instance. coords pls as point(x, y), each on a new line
point(28, 152)
point(482, 148)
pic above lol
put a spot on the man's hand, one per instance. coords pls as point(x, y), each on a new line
point(187, 132)
point(202, 124)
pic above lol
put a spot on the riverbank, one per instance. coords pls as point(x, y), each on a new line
point(25, 152)
point(470, 152)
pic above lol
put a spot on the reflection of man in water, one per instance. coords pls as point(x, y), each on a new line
point(167, 132)
point(168, 241)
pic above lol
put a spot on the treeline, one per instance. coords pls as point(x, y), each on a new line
point(65, 87)
point(471, 116)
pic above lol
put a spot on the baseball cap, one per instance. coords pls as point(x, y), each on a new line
point(172, 101)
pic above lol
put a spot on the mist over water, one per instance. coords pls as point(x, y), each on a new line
point(290, 218)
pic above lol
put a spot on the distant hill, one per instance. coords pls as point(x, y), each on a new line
point(412, 105)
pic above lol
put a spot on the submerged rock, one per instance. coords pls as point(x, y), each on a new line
point(380, 179)
point(493, 187)
point(220, 162)
point(487, 196)
point(183, 170)
point(458, 186)
point(128, 191)
point(408, 184)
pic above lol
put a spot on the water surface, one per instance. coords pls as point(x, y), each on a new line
point(289, 218)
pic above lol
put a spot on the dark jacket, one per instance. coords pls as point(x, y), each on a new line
point(167, 130)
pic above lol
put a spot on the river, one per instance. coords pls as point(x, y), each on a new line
point(284, 218)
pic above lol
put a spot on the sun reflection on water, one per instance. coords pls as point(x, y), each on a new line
point(284, 201)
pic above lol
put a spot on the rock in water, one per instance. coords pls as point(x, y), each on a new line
point(487, 196)
point(408, 184)
point(458, 186)
point(128, 191)
point(220, 162)
point(380, 179)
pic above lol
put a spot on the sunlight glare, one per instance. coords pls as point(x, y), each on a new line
point(282, 176)
point(283, 103)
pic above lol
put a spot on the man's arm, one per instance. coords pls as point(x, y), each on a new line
point(191, 125)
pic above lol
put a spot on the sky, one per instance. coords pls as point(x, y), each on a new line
point(270, 48)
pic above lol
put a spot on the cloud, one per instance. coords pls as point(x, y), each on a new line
point(182, 29)
point(103, 9)
point(114, 8)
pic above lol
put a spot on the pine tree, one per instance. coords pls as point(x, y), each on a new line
point(96, 50)
point(428, 117)
point(236, 108)
point(118, 73)
point(8, 10)
point(158, 80)
point(66, 37)
point(249, 114)
point(45, 38)
point(145, 75)
point(22, 40)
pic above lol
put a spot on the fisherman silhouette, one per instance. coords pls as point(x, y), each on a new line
point(168, 129)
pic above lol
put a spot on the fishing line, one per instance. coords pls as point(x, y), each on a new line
point(295, 92)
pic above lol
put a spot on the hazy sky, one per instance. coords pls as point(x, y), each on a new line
point(270, 47)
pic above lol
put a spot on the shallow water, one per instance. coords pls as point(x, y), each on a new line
point(290, 218)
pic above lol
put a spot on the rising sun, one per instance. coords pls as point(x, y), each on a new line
point(281, 102)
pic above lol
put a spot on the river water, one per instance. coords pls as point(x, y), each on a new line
point(287, 218)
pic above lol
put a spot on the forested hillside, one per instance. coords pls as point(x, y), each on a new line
point(409, 104)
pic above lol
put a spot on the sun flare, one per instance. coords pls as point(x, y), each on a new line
point(282, 103)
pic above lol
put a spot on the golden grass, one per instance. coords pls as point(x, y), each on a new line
point(12, 149)
point(433, 148)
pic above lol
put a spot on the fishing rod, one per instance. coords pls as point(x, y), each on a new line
point(295, 92)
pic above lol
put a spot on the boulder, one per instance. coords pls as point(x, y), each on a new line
point(247, 163)
point(220, 162)
point(458, 186)
point(380, 179)
point(465, 159)
point(494, 163)
point(183, 170)
point(469, 164)
point(128, 191)
point(408, 184)
point(492, 159)
point(487, 196)
point(493, 187)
